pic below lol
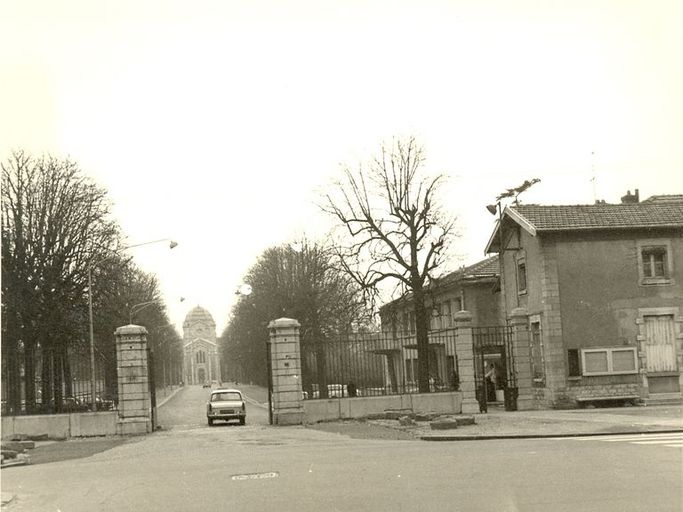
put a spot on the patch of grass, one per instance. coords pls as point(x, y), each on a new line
point(73, 449)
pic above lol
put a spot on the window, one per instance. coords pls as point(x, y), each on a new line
point(608, 361)
point(655, 262)
point(446, 315)
point(435, 321)
point(411, 322)
point(404, 323)
point(521, 276)
point(573, 366)
point(411, 370)
point(537, 363)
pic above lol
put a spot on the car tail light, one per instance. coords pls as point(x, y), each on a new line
point(244, 406)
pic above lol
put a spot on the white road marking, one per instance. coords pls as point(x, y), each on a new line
point(256, 476)
point(669, 440)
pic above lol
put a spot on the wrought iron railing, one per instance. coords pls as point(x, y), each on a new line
point(376, 363)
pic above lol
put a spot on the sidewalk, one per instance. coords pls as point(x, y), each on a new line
point(501, 424)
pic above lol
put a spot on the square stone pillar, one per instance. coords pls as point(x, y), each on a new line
point(521, 346)
point(135, 413)
point(464, 349)
point(285, 364)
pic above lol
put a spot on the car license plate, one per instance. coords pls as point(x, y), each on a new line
point(226, 411)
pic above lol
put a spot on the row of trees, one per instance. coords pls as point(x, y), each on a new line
point(393, 235)
point(297, 280)
point(56, 223)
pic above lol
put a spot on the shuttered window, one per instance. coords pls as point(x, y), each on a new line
point(609, 361)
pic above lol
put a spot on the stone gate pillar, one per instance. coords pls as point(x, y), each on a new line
point(285, 364)
point(135, 414)
point(521, 341)
point(465, 352)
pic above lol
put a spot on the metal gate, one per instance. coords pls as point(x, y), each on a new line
point(152, 388)
point(269, 367)
point(493, 346)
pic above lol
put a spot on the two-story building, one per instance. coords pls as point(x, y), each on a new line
point(474, 288)
point(603, 287)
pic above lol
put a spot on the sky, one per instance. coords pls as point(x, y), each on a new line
point(219, 124)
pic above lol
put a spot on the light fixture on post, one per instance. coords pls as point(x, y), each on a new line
point(136, 308)
point(172, 244)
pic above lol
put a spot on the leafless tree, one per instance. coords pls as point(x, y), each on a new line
point(395, 230)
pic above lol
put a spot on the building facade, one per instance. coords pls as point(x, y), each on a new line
point(474, 288)
point(602, 286)
point(200, 352)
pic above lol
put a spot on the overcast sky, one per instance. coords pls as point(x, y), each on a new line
point(218, 123)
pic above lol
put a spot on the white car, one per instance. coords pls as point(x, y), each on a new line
point(226, 405)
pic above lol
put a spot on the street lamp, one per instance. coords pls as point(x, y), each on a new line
point(136, 308)
point(171, 245)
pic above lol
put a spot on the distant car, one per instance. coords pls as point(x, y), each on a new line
point(206, 385)
point(226, 405)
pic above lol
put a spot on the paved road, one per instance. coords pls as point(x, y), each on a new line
point(257, 467)
point(187, 409)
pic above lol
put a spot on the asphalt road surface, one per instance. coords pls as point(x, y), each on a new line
point(191, 466)
point(187, 408)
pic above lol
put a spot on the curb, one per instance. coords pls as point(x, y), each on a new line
point(166, 399)
point(485, 437)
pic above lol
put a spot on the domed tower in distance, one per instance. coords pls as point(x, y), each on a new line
point(200, 351)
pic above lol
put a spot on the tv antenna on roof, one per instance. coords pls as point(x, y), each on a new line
point(593, 177)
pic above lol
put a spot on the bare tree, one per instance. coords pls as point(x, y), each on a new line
point(395, 230)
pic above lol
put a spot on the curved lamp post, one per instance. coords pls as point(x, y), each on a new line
point(136, 308)
point(172, 244)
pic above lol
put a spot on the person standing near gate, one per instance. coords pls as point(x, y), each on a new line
point(491, 377)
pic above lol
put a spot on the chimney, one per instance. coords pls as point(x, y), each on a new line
point(630, 198)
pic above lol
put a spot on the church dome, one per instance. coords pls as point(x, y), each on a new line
point(198, 314)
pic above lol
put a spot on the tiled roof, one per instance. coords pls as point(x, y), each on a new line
point(671, 198)
point(485, 268)
point(648, 214)
point(482, 269)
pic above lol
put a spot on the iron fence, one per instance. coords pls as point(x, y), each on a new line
point(48, 382)
point(494, 366)
point(377, 363)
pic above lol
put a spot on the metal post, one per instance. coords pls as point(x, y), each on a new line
point(270, 383)
point(152, 387)
point(93, 400)
point(501, 262)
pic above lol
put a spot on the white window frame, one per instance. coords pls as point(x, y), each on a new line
point(610, 361)
point(655, 280)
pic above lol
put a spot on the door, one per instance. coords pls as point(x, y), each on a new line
point(660, 346)
point(660, 353)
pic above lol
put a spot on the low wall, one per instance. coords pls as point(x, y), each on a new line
point(331, 409)
point(62, 426)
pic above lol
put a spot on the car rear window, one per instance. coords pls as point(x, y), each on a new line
point(222, 397)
